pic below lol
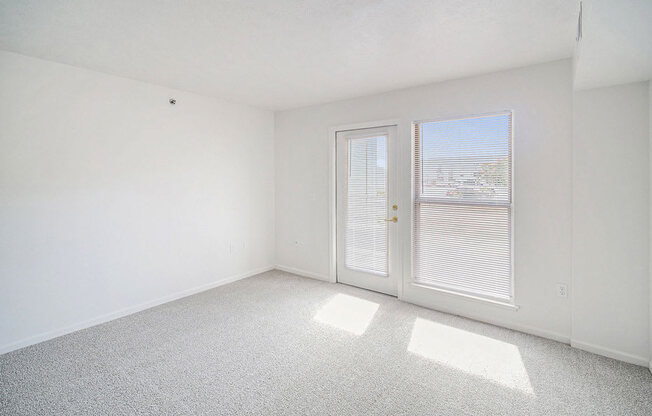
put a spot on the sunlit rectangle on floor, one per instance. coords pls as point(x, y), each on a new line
point(347, 313)
point(494, 360)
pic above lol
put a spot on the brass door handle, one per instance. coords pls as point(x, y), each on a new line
point(393, 219)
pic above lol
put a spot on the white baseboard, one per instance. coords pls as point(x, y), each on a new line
point(543, 333)
point(608, 352)
point(586, 346)
point(565, 339)
point(556, 336)
point(127, 311)
point(302, 273)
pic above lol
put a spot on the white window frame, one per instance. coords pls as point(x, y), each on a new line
point(511, 303)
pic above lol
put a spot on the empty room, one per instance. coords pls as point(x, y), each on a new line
point(325, 207)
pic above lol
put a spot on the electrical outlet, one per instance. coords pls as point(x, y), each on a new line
point(562, 290)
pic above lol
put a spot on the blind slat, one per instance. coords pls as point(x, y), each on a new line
point(462, 209)
point(365, 239)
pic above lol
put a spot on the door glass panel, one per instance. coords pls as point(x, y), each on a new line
point(366, 232)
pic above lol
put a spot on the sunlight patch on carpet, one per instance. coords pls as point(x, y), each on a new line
point(347, 313)
point(497, 361)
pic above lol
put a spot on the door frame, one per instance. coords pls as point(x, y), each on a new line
point(402, 129)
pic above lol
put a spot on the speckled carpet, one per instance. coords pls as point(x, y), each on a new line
point(279, 344)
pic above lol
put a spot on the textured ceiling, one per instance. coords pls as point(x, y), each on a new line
point(289, 53)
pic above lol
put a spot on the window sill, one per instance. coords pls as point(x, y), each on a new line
point(500, 304)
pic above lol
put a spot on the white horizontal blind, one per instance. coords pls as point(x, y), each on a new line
point(462, 207)
point(365, 241)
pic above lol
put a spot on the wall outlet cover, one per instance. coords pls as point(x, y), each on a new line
point(562, 290)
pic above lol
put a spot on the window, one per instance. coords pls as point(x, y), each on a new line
point(462, 207)
point(366, 198)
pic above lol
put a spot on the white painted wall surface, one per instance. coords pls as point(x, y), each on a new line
point(610, 221)
point(111, 199)
point(650, 219)
point(541, 97)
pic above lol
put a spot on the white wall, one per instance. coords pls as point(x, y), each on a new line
point(111, 199)
point(650, 219)
point(610, 221)
point(541, 97)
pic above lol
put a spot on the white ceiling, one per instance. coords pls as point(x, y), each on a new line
point(280, 54)
point(616, 46)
